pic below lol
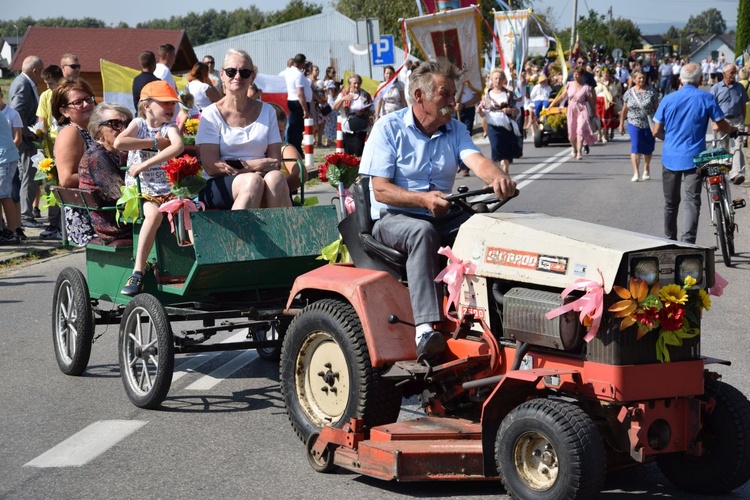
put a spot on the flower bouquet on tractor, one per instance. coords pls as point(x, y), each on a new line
point(552, 127)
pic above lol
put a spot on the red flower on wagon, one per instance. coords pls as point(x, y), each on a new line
point(339, 167)
point(182, 173)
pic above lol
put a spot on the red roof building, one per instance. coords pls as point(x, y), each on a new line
point(119, 45)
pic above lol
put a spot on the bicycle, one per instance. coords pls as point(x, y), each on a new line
point(713, 165)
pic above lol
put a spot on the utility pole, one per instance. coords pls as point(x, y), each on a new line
point(573, 26)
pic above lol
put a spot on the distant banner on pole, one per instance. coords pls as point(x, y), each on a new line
point(512, 29)
point(453, 35)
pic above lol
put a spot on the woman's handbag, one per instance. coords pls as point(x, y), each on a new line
point(325, 110)
point(358, 123)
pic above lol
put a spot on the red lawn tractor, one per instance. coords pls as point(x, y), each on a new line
point(537, 403)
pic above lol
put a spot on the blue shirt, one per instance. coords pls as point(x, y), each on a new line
point(684, 116)
point(398, 150)
point(732, 99)
point(8, 150)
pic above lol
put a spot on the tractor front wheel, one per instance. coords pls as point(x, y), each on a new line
point(549, 449)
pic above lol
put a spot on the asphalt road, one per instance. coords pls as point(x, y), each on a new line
point(228, 436)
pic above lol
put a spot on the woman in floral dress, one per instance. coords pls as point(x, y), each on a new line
point(638, 103)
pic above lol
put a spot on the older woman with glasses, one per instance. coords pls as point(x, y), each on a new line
point(99, 170)
point(240, 144)
point(72, 104)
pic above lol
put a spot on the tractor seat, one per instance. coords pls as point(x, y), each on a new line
point(365, 250)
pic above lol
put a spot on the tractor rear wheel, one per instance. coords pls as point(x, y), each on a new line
point(326, 374)
point(725, 438)
point(549, 449)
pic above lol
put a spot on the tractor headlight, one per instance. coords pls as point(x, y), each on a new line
point(689, 265)
point(646, 269)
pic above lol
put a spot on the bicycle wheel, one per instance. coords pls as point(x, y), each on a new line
point(731, 227)
point(720, 221)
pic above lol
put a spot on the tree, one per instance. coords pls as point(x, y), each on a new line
point(595, 31)
point(743, 27)
point(708, 22)
point(296, 9)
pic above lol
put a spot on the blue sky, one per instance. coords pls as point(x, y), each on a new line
point(134, 11)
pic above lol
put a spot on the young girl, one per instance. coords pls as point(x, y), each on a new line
point(152, 130)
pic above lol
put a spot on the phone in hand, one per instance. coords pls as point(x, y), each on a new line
point(234, 163)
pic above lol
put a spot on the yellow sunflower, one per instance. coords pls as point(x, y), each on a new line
point(46, 164)
point(705, 300)
point(674, 293)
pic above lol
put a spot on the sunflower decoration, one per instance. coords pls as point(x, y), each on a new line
point(667, 309)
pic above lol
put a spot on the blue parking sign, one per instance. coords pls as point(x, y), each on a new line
point(382, 52)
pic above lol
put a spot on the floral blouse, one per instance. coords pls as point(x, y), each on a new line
point(640, 105)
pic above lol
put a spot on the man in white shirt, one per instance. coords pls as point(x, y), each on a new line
point(165, 59)
point(213, 73)
point(622, 74)
point(299, 97)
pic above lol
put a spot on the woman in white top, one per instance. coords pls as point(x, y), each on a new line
point(240, 145)
point(199, 85)
point(356, 105)
point(393, 99)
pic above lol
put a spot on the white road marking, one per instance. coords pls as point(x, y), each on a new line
point(87, 444)
point(188, 364)
point(224, 371)
point(537, 171)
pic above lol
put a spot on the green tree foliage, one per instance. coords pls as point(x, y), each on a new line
point(708, 22)
point(743, 27)
point(620, 33)
point(8, 28)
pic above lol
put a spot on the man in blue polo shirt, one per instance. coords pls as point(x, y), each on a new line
point(681, 121)
point(732, 98)
point(411, 157)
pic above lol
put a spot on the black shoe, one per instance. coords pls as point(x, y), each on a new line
point(430, 345)
point(738, 179)
point(586, 148)
point(36, 213)
point(21, 235)
point(8, 237)
point(134, 286)
point(31, 222)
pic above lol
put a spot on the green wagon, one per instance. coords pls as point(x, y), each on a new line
point(236, 275)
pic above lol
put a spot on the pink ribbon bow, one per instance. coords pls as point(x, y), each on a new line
point(453, 276)
point(591, 304)
point(719, 284)
point(186, 205)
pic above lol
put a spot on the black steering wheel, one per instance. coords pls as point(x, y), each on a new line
point(485, 205)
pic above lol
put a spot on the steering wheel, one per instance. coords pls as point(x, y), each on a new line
point(485, 205)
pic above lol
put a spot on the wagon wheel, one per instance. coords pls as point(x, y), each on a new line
point(548, 449)
point(725, 439)
point(146, 351)
point(326, 375)
point(324, 463)
point(72, 322)
point(538, 138)
point(273, 332)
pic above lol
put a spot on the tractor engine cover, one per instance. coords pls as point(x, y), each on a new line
point(524, 320)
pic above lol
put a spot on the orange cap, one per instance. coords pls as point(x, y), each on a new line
point(159, 91)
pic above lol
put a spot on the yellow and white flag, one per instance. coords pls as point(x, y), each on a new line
point(117, 82)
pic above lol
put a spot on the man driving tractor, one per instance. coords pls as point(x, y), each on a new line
point(412, 157)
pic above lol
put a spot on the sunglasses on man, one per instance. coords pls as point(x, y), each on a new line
point(74, 66)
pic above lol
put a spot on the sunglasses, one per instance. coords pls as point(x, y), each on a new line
point(117, 125)
point(78, 103)
point(232, 72)
point(74, 66)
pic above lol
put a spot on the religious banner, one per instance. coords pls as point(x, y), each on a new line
point(511, 28)
point(453, 35)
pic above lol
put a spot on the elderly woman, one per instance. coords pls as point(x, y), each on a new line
point(638, 103)
point(72, 104)
point(581, 99)
point(240, 144)
point(99, 170)
point(200, 87)
point(499, 107)
point(357, 109)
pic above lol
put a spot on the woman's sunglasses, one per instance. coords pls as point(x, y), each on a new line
point(245, 73)
point(117, 125)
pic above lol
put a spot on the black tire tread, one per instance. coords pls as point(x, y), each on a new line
point(378, 401)
point(85, 318)
point(721, 234)
point(581, 437)
point(698, 475)
point(158, 315)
